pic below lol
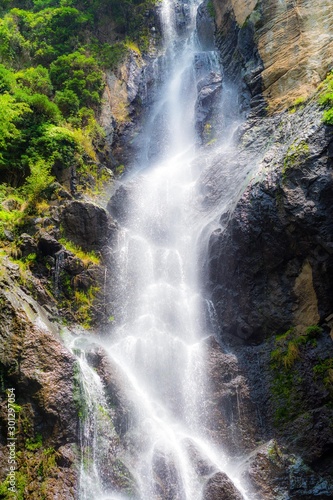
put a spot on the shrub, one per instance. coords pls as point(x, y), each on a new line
point(68, 102)
point(37, 80)
point(81, 75)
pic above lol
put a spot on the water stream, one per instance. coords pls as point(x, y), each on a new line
point(158, 343)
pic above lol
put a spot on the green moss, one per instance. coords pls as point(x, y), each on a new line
point(211, 9)
point(287, 382)
point(35, 443)
point(298, 104)
point(324, 371)
point(83, 305)
point(326, 98)
point(296, 155)
point(21, 480)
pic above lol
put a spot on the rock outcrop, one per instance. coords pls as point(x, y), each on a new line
point(275, 258)
point(219, 486)
point(282, 50)
point(87, 225)
point(36, 365)
point(270, 276)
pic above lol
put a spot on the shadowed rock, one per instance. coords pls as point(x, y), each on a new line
point(87, 225)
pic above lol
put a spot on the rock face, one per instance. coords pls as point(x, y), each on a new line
point(87, 225)
point(36, 365)
point(282, 49)
point(205, 27)
point(275, 257)
point(209, 96)
point(229, 411)
point(270, 278)
point(219, 486)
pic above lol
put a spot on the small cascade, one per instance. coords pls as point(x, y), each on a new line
point(98, 439)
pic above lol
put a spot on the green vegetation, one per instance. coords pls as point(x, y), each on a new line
point(298, 104)
point(21, 480)
point(297, 153)
point(326, 98)
point(289, 343)
point(35, 443)
point(83, 303)
point(324, 370)
point(286, 383)
point(211, 8)
point(86, 257)
point(51, 85)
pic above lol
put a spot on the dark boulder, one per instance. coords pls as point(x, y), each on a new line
point(27, 245)
point(274, 258)
point(119, 203)
point(87, 225)
point(48, 245)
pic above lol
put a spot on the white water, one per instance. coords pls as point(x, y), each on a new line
point(158, 342)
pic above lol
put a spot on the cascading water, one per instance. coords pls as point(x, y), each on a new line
point(158, 342)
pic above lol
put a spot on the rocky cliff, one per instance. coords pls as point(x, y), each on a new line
point(282, 49)
point(270, 262)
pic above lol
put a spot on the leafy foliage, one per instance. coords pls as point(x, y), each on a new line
point(326, 99)
point(80, 75)
point(52, 56)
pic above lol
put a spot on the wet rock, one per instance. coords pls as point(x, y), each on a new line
point(305, 483)
point(220, 486)
point(266, 472)
point(273, 251)
point(119, 203)
point(207, 103)
point(34, 362)
point(270, 473)
point(115, 388)
point(87, 225)
point(229, 412)
point(277, 239)
point(117, 477)
point(203, 466)
point(205, 27)
point(168, 483)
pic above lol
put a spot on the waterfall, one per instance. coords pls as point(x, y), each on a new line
point(162, 319)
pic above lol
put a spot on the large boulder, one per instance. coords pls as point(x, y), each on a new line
point(87, 225)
